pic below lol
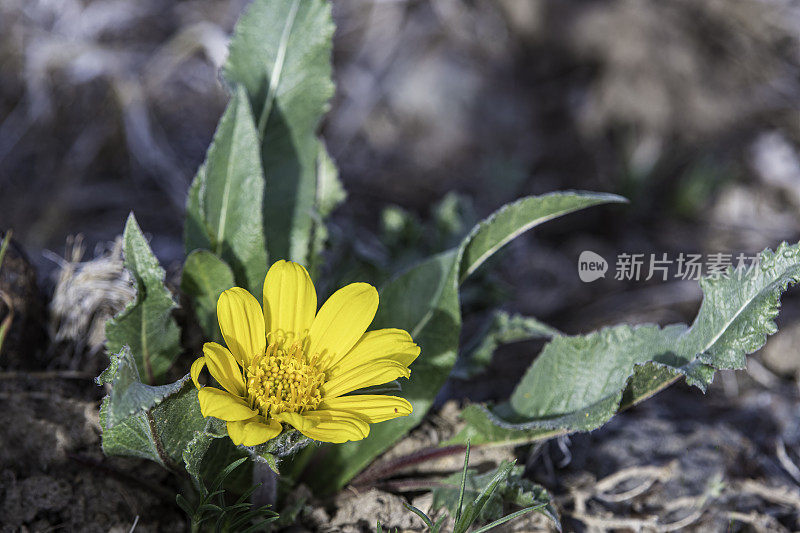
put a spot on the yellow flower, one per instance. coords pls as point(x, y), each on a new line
point(294, 365)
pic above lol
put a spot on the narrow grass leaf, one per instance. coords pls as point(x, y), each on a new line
point(463, 484)
point(420, 513)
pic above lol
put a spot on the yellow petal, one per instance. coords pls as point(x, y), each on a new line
point(328, 425)
point(374, 407)
point(337, 432)
point(394, 344)
point(254, 431)
point(341, 321)
point(223, 405)
point(372, 373)
point(290, 300)
point(197, 367)
point(242, 324)
point(223, 368)
point(296, 420)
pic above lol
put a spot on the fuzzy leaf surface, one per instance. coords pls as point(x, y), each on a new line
point(160, 434)
point(138, 420)
point(146, 325)
point(128, 394)
point(196, 450)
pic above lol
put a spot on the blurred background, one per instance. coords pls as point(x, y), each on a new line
point(690, 109)
point(445, 110)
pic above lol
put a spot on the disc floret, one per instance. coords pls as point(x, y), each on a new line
point(283, 379)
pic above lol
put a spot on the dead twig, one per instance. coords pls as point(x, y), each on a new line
point(650, 473)
point(761, 374)
point(781, 495)
point(787, 464)
point(761, 523)
point(682, 523)
point(605, 523)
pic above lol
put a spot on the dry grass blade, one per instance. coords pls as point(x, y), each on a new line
point(5, 325)
point(87, 294)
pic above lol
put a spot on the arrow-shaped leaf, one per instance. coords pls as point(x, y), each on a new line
point(146, 325)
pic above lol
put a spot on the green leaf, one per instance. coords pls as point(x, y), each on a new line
point(139, 420)
point(508, 518)
point(330, 190)
point(205, 276)
point(579, 382)
point(128, 394)
point(159, 434)
point(209, 453)
point(482, 427)
point(330, 194)
point(196, 450)
point(503, 328)
point(281, 54)
point(473, 510)
point(738, 311)
point(420, 513)
point(516, 218)
point(176, 422)
point(131, 438)
point(463, 486)
point(424, 302)
point(226, 197)
point(146, 325)
point(195, 234)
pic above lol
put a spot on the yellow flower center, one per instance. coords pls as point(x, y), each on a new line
point(284, 380)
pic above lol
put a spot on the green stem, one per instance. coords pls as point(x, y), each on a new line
point(4, 246)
